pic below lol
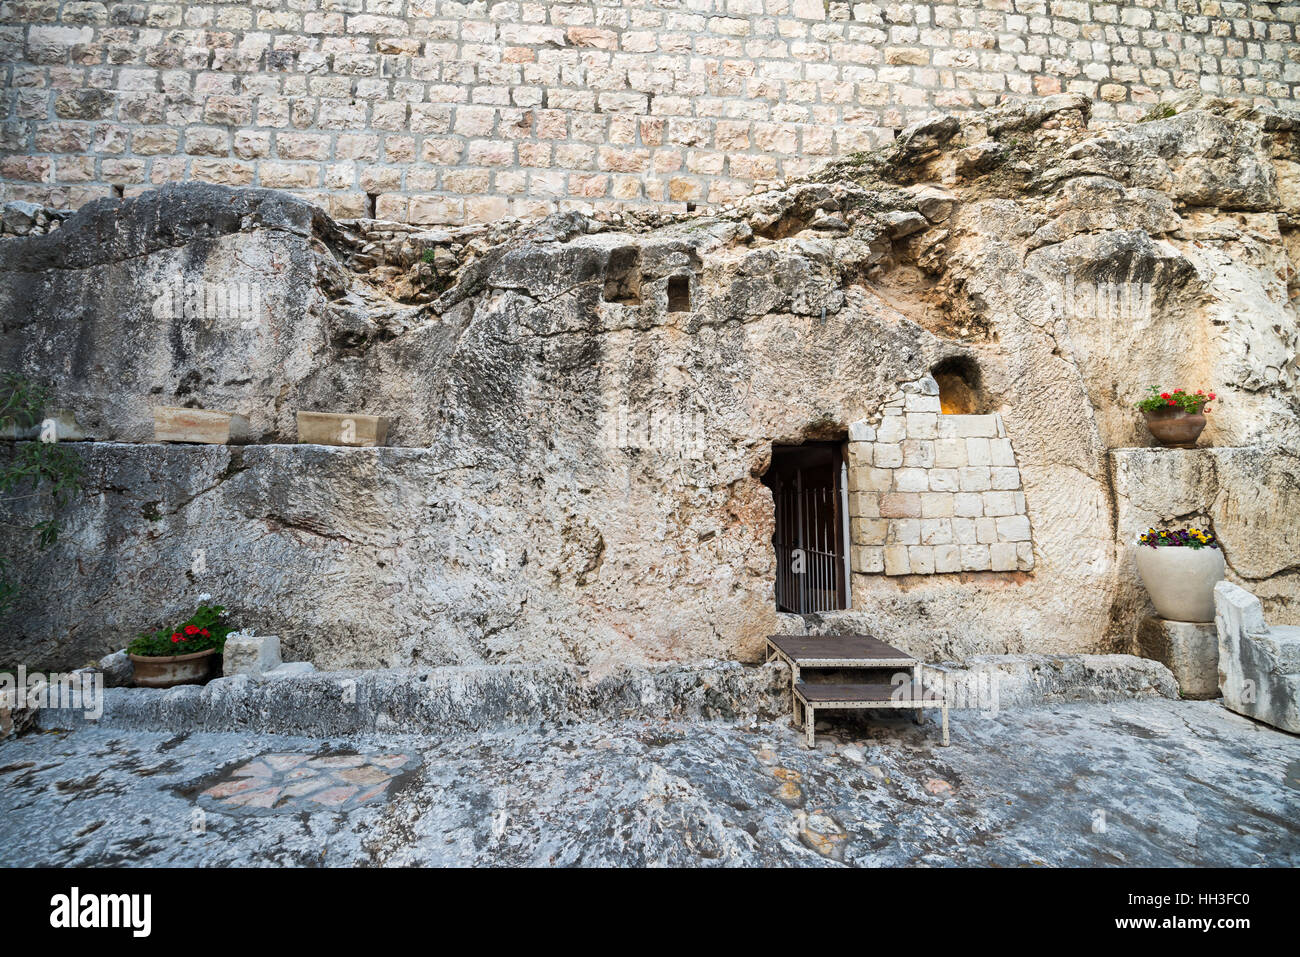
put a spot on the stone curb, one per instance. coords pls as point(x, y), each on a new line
point(475, 697)
point(444, 699)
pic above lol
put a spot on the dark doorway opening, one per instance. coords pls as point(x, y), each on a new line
point(679, 294)
point(961, 387)
point(808, 484)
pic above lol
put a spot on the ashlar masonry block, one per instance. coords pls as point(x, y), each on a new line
point(935, 493)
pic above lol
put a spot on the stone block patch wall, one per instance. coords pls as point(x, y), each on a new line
point(451, 111)
point(931, 493)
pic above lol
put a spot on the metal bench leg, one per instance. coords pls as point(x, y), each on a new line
point(945, 724)
point(809, 725)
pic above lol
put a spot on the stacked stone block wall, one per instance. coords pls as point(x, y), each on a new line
point(931, 493)
point(442, 111)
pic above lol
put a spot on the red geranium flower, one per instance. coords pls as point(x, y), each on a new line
point(1211, 395)
point(191, 629)
point(1171, 402)
point(1164, 395)
point(204, 633)
point(175, 638)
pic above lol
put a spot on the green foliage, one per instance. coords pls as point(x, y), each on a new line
point(1161, 112)
point(427, 256)
point(8, 590)
point(1178, 399)
point(201, 631)
point(43, 464)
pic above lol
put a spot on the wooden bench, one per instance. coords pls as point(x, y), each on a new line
point(860, 652)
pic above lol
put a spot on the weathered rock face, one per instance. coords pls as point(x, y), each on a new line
point(584, 409)
point(1259, 666)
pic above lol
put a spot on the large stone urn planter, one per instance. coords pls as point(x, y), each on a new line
point(1174, 428)
point(167, 671)
point(1181, 580)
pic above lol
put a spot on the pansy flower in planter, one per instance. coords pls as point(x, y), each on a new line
point(1178, 538)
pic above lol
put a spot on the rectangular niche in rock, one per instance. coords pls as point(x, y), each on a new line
point(348, 429)
point(679, 294)
point(205, 426)
point(623, 276)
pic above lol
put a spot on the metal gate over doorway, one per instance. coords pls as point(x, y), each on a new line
point(808, 484)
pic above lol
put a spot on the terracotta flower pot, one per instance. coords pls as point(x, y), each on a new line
point(167, 671)
point(1181, 580)
point(1174, 428)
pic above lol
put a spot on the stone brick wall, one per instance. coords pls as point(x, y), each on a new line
point(931, 493)
point(441, 111)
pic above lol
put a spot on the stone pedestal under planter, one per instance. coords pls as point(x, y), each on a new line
point(1189, 649)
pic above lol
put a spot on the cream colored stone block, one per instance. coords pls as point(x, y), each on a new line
point(867, 531)
point(977, 452)
point(1014, 528)
point(971, 426)
point(975, 558)
point(869, 559)
point(921, 403)
point(936, 505)
point(947, 558)
point(349, 429)
point(1024, 556)
point(1004, 478)
point(864, 504)
point(904, 531)
point(1002, 557)
point(963, 531)
point(944, 480)
point(967, 505)
point(891, 430)
point(1000, 453)
point(999, 503)
point(986, 530)
point(950, 453)
point(921, 559)
point(861, 432)
point(878, 480)
point(922, 425)
point(896, 560)
point(974, 478)
point(918, 453)
point(859, 454)
point(888, 456)
point(205, 426)
point(900, 505)
point(936, 531)
point(911, 480)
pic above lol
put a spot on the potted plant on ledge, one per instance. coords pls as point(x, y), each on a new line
point(180, 655)
point(1180, 568)
point(1176, 418)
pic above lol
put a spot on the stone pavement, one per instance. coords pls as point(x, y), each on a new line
point(1151, 782)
